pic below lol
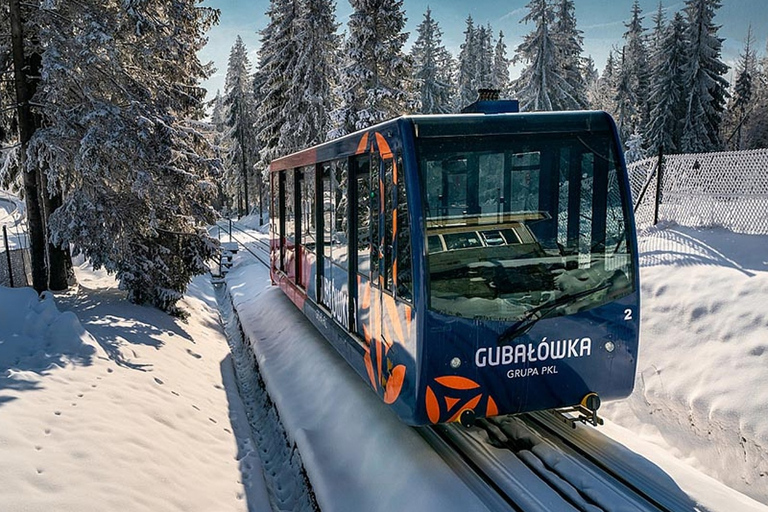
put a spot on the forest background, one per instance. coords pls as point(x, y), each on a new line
point(108, 134)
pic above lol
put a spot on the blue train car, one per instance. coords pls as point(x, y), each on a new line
point(467, 265)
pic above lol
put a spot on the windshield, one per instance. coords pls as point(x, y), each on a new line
point(516, 222)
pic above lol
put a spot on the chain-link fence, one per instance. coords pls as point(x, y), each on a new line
point(15, 262)
point(728, 189)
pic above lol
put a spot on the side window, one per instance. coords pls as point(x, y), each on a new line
point(402, 268)
point(290, 211)
point(307, 195)
point(290, 225)
point(340, 207)
point(375, 207)
point(389, 211)
point(327, 208)
point(363, 215)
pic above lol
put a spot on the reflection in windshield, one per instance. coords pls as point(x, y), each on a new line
point(516, 223)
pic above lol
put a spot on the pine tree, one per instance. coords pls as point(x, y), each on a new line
point(239, 118)
point(755, 127)
point(374, 83)
point(310, 94)
point(467, 73)
point(667, 96)
point(432, 65)
point(542, 84)
point(278, 62)
point(706, 89)
point(569, 43)
point(501, 63)
point(604, 93)
point(226, 189)
point(592, 81)
point(633, 80)
point(119, 86)
point(657, 36)
point(484, 64)
point(741, 102)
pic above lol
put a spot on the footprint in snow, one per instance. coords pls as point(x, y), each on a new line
point(159, 381)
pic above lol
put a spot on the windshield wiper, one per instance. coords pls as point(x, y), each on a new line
point(533, 315)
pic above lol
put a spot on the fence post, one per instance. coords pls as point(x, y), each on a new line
point(8, 255)
point(659, 185)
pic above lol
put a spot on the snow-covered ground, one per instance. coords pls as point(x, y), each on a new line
point(702, 382)
point(112, 406)
point(108, 405)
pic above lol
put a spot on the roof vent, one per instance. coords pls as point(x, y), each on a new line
point(488, 102)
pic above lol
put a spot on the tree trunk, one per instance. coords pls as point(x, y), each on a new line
point(60, 273)
point(26, 72)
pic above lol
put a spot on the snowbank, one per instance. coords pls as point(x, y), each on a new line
point(356, 453)
point(123, 409)
point(703, 365)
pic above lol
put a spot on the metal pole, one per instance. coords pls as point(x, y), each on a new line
point(659, 186)
point(230, 230)
point(8, 255)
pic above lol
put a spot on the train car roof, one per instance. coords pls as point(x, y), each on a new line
point(451, 125)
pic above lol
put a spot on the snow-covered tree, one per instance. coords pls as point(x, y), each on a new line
point(239, 118)
point(122, 139)
point(226, 189)
point(476, 64)
point(467, 66)
point(374, 84)
point(8, 129)
point(706, 88)
point(542, 84)
point(634, 148)
point(278, 62)
point(592, 81)
point(667, 96)
point(501, 63)
point(657, 35)
point(310, 92)
point(741, 103)
point(602, 96)
point(432, 66)
point(633, 79)
point(484, 64)
point(755, 127)
point(569, 43)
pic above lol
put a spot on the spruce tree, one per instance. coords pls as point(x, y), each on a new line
point(432, 65)
point(484, 64)
point(569, 43)
point(667, 96)
point(374, 82)
point(501, 63)
point(467, 73)
point(239, 118)
point(706, 88)
point(542, 84)
point(740, 104)
point(310, 93)
point(278, 62)
point(603, 95)
point(633, 80)
point(755, 127)
point(122, 139)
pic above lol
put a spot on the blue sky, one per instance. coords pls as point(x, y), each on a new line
point(601, 21)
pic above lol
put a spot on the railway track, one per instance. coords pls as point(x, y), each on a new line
point(538, 462)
